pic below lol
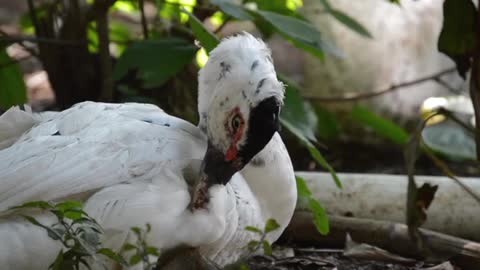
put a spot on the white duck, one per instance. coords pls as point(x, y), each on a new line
point(131, 164)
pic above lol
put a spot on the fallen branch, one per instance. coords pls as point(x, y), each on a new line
point(358, 96)
point(390, 236)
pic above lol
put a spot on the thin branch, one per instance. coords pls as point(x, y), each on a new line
point(359, 96)
point(144, 19)
point(446, 85)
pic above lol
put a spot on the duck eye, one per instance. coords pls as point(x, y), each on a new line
point(236, 123)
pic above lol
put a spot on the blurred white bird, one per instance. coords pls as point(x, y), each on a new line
point(133, 164)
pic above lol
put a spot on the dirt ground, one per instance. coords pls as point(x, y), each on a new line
point(308, 258)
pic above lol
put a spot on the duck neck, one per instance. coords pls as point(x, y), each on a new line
point(271, 178)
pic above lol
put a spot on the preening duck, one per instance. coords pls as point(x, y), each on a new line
point(133, 164)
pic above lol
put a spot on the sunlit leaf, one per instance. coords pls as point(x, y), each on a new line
point(34, 204)
point(320, 218)
point(69, 205)
point(154, 61)
point(380, 125)
point(12, 87)
point(271, 225)
point(302, 188)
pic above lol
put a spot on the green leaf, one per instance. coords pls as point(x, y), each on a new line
point(243, 266)
point(113, 256)
point(74, 214)
point(302, 188)
point(450, 141)
point(236, 11)
point(253, 245)
point(208, 40)
point(154, 61)
point(253, 229)
point(56, 233)
point(267, 248)
point(137, 231)
point(301, 33)
point(328, 127)
point(320, 218)
point(316, 155)
point(12, 87)
point(458, 36)
point(380, 125)
point(58, 263)
point(271, 225)
point(51, 232)
point(128, 247)
point(152, 251)
point(350, 22)
point(35, 204)
point(297, 111)
point(69, 205)
point(135, 259)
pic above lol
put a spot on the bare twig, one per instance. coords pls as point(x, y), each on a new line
point(446, 85)
point(144, 19)
point(359, 96)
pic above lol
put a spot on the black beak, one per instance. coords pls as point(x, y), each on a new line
point(216, 168)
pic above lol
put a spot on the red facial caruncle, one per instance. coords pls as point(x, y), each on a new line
point(235, 124)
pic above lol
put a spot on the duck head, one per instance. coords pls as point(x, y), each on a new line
point(239, 104)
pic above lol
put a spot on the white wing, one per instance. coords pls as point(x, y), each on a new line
point(90, 146)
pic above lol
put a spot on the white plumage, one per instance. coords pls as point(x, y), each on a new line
point(132, 164)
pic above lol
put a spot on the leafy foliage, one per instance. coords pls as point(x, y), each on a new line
point(141, 250)
point(457, 39)
point(154, 61)
point(320, 218)
point(12, 86)
point(254, 245)
point(78, 233)
point(381, 125)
